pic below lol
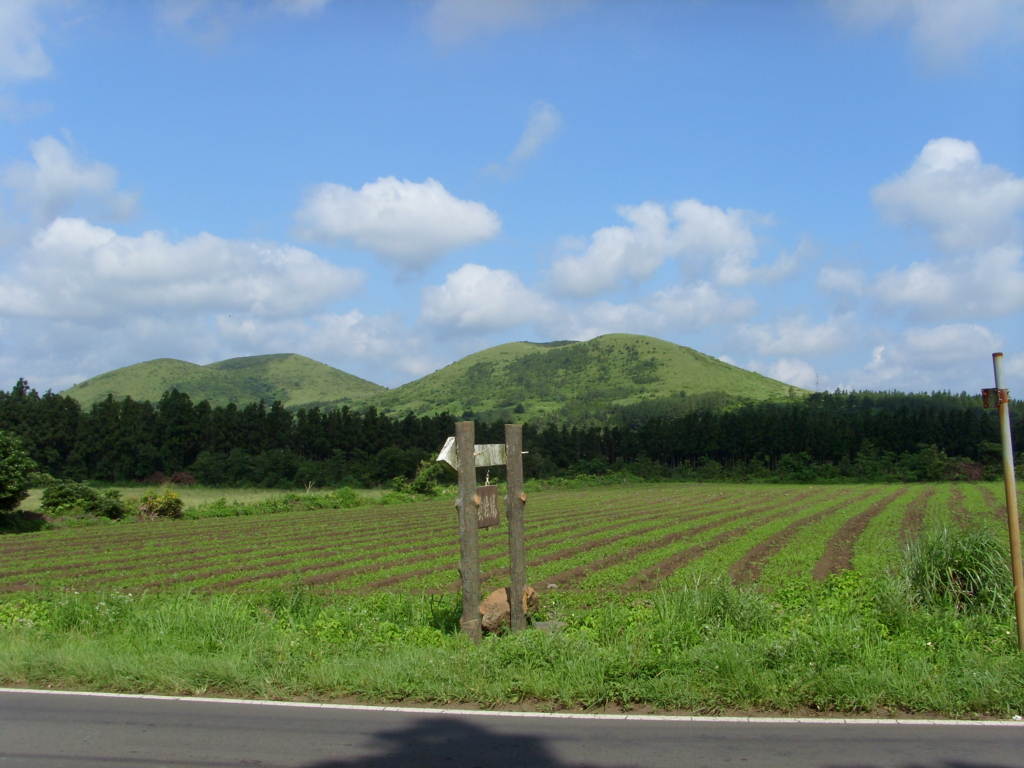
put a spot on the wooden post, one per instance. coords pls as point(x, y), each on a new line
point(469, 544)
point(515, 503)
point(1010, 484)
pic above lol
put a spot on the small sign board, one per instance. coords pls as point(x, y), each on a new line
point(483, 455)
point(487, 512)
point(993, 398)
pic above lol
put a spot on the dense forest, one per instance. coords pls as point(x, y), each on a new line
point(859, 435)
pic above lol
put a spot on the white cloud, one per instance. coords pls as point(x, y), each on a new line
point(964, 204)
point(56, 182)
point(799, 336)
point(793, 371)
point(382, 341)
point(478, 299)
point(451, 22)
point(669, 311)
point(475, 299)
point(841, 280)
point(944, 32)
point(543, 125)
point(404, 222)
point(987, 285)
point(973, 213)
point(953, 356)
point(701, 237)
point(21, 50)
point(75, 270)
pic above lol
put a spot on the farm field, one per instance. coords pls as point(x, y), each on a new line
point(625, 539)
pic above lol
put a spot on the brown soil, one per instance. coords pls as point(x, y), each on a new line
point(913, 515)
point(956, 505)
point(838, 555)
point(575, 574)
point(543, 539)
point(670, 565)
point(748, 568)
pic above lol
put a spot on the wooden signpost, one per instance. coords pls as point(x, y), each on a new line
point(478, 508)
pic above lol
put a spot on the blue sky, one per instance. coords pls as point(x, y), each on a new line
point(830, 193)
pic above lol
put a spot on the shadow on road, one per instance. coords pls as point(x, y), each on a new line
point(437, 742)
point(453, 743)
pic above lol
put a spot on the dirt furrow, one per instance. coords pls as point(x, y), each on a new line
point(913, 515)
point(748, 568)
point(838, 555)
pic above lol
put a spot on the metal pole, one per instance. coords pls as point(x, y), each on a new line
point(469, 524)
point(1011, 497)
point(515, 503)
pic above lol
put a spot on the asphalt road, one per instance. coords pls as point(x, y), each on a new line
point(74, 731)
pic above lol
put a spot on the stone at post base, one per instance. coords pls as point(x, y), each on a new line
point(495, 610)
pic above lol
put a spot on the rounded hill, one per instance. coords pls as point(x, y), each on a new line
point(293, 379)
point(580, 380)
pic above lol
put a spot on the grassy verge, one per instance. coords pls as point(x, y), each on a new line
point(199, 495)
point(850, 645)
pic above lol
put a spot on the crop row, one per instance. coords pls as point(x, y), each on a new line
point(630, 538)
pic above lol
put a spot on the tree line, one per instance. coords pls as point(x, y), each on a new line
point(865, 435)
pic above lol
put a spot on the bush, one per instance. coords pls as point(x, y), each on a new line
point(67, 497)
point(166, 504)
point(16, 470)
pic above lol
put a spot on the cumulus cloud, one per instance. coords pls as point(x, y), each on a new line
point(478, 299)
point(543, 125)
point(950, 356)
point(684, 307)
point(451, 22)
point(21, 50)
point(701, 237)
point(944, 32)
point(961, 202)
point(381, 341)
point(800, 336)
point(406, 223)
point(972, 213)
point(75, 270)
point(792, 370)
point(56, 182)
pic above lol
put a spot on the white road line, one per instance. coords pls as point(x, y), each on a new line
point(557, 715)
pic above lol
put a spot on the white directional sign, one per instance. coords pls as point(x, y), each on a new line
point(483, 455)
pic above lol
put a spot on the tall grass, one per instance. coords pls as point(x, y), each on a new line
point(847, 645)
point(963, 570)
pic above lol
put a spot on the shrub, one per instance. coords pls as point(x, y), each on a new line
point(67, 497)
point(166, 504)
point(16, 470)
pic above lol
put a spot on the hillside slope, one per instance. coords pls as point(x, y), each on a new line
point(576, 380)
point(292, 379)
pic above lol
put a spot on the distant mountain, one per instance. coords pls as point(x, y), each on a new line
point(621, 377)
point(293, 379)
point(579, 381)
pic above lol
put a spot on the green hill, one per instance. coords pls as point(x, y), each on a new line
point(580, 381)
point(292, 379)
point(617, 377)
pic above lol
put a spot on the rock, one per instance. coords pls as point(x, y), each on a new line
point(495, 608)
